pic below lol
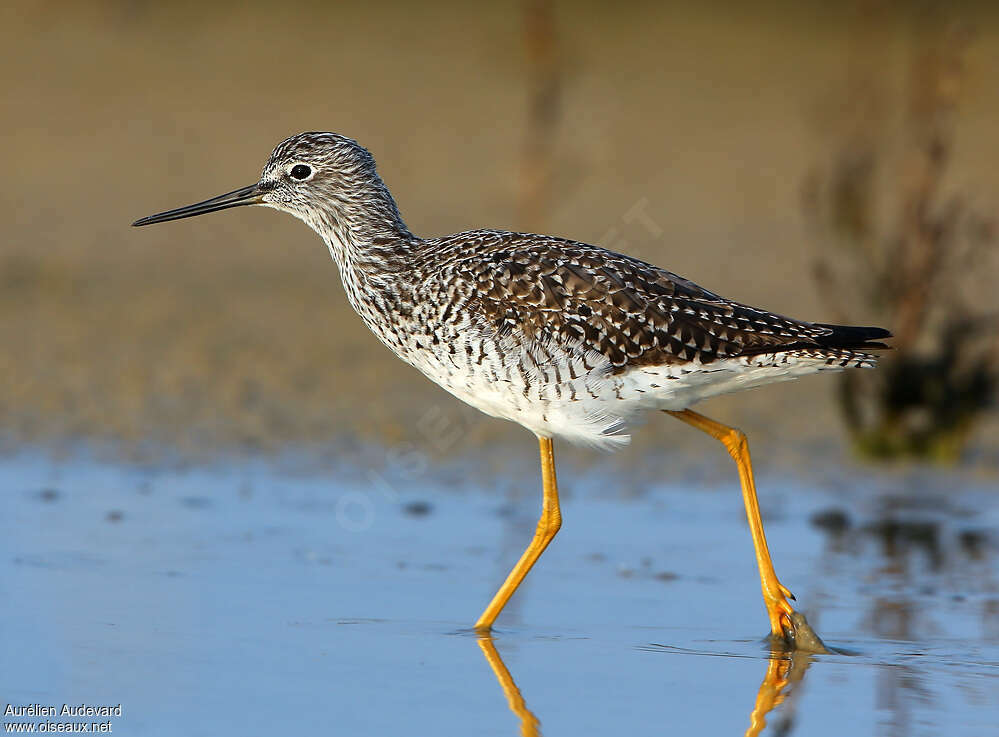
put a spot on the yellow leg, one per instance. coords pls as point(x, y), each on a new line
point(548, 525)
point(771, 692)
point(529, 724)
point(784, 621)
point(785, 672)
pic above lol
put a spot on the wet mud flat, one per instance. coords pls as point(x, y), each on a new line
point(244, 599)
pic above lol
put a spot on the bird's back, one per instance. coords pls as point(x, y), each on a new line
point(571, 339)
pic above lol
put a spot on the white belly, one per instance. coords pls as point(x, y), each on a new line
point(595, 409)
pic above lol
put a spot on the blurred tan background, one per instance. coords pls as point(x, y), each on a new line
point(680, 133)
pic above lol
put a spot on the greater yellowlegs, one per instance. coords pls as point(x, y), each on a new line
point(567, 339)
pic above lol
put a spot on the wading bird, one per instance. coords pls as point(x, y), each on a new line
point(567, 339)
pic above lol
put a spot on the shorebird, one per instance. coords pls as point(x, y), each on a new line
point(567, 339)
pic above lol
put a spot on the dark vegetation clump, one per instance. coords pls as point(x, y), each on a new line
point(900, 244)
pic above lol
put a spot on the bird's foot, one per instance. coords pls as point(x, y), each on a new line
point(789, 630)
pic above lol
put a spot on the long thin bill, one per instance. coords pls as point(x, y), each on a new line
point(238, 197)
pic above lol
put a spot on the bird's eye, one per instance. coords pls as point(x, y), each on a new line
point(300, 171)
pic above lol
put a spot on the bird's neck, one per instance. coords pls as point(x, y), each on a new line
point(366, 234)
point(375, 253)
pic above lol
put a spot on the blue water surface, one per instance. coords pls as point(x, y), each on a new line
point(246, 600)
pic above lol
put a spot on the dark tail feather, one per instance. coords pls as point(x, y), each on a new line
point(849, 336)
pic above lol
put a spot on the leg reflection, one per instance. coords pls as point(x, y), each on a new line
point(529, 724)
point(785, 671)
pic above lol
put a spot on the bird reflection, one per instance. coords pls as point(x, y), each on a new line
point(784, 675)
point(529, 724)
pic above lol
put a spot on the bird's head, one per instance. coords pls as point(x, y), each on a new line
point(325, 179)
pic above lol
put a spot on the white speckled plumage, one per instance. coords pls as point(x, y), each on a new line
point(567, 339)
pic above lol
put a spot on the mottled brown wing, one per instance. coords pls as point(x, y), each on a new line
point(630, 311)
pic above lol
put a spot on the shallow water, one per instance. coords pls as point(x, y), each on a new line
point(245, 600)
